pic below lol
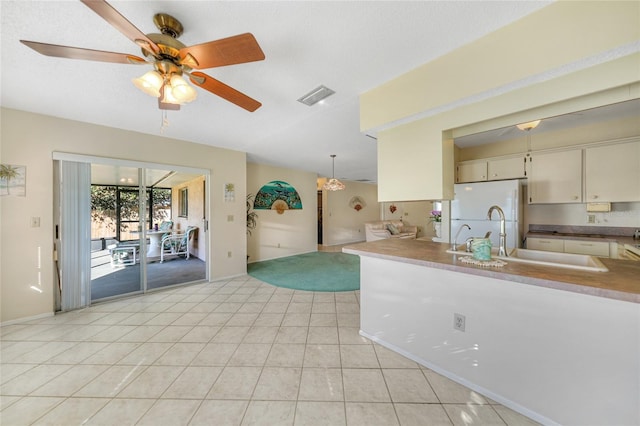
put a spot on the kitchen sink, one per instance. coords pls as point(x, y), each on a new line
point(582, 262)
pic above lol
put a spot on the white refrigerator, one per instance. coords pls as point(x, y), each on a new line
point(471, 205)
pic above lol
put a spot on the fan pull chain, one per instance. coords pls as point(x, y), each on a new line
point(165, 121)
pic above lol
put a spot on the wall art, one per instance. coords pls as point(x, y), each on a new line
point(279, 196)
point(357, 203)
point(229, 192)
point(13, 180)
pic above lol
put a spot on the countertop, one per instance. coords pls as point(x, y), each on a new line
point(622, 282)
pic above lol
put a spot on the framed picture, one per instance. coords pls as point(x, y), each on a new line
point(13, 180)
point(229, 192)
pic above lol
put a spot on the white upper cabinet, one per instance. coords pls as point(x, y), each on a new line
point(612, 173)
point(506, 168)
point(494, 169)
point(555, 177)
point(471, 172)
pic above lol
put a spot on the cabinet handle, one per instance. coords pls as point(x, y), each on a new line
point(483, 176)
point(595, 196)
point(544, 242)
point(575, 197)
point(495, 175)
point(586, 244)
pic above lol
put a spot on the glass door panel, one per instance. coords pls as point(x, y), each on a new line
point(115, 219)
point(176, 254)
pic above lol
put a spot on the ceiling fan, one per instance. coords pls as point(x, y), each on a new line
point(171, 59)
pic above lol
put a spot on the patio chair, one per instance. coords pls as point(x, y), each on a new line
point(177, 244)
point(165, 225)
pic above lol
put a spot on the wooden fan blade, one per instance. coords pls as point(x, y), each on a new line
point(113, 17)
point(227, 51)
point(226, 92)
point(80, 53)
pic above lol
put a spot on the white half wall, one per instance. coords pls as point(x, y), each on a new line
point(556, 356)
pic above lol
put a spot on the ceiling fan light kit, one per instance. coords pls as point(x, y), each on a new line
point(170, 58)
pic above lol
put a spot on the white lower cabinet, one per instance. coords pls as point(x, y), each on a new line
point(546, 244)
point(591, 248)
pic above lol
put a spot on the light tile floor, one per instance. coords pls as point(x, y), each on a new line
point(236, 352)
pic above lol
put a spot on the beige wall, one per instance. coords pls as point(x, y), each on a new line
point(415, 158)
point(551, 37)
point(287, 234)
point(29, 139)
point(341, 223)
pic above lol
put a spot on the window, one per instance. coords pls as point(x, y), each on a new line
point(183, 208)
point(114, 210)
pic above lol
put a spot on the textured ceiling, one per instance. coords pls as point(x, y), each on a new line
point(349, 46)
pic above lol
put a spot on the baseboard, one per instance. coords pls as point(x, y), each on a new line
point(26, 319)
point(485, 392)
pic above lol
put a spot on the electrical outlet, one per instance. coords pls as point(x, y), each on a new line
point(591, 218)
point(459, 321)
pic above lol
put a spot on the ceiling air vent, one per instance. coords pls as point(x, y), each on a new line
point(316, 95)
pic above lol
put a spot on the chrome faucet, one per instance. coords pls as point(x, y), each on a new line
point(455, 239)
point(502, 250)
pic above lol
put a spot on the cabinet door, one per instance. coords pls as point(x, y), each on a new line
point(506, 168)
point(555, 177)
point(471, 172)
point(612, 173)
point(546, 244)
point(592, 248)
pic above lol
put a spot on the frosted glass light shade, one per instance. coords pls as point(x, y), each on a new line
point(167, 95)
point(333, 184)
point(181, 91)
point(529, 125)
point(150, 83)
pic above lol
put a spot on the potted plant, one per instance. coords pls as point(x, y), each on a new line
point(436, 218)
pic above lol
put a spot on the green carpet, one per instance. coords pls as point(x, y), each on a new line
point(318, 271)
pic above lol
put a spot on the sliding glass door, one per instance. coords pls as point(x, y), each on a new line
point(145, 229)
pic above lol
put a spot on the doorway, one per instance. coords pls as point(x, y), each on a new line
point(139, 237)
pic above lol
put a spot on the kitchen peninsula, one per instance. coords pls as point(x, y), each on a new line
point(560, 346)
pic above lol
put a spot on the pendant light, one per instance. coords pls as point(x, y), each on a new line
point(333, 184)
point(528, 127)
